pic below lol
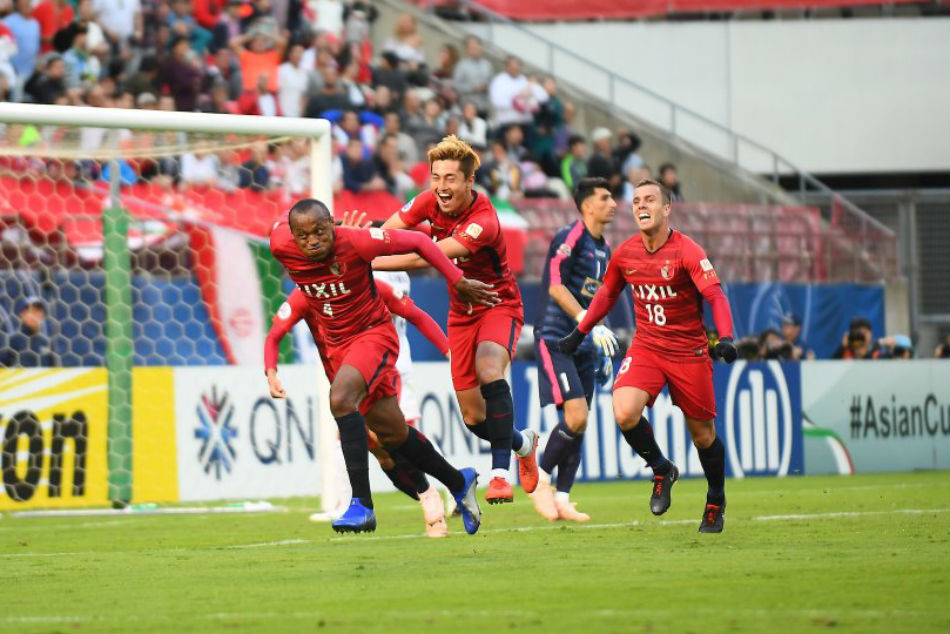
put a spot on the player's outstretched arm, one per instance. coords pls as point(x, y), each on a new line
point(287, 315)
point(404, 307)
point(722, 316)
point(472, 291)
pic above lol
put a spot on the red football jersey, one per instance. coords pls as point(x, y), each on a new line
point(478, 229)
point(667, 288)
point(339, 289)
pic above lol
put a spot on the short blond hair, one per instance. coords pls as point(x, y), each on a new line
point(452, 148)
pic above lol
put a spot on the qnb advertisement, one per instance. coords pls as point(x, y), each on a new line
point(759, 421)
point(866, 416)
point(235, 441)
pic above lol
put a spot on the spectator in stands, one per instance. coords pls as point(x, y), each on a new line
point(82, 67)
point(858, 342)
point(668, 176)
point(26, 33)
point(7, 51)
point(145, 78)
point(406, 146)
point(602, 163)
point(226, 70)
point(350, 127)
point(388, 73)
point(254, 174)
point(574, 163)
point(506, 90)
point(896, 347)
point(349, 79)
point(292, 81)
point(181, 75)
point(182, 23)
point(564, 132)
point(229, 25)
point(121, 21)
point(296, 168)
point(391, 168)
point(359, 172)
point(326, 15)
point(472, 75)
point(357, 18)
point(49, 85)
point(52, 15)
point(773, 346)
point(259, 54)
point(942, 351)
point(28, 346)
point(513, 139)
point(633, 176)
point(199, 168)
point(331, 96)
point(219, 102)
point(472, 128)
point(791, 331)
point(625, 154)
point(444, 72)
point(501, 175)
point(406, 43)
point(547, 120)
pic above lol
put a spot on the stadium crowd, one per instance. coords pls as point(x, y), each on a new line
point(388, 102)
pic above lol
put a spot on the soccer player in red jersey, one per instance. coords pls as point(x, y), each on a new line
point(331, 266)
point(404, 476)
point(670, 276)
point(482, 337)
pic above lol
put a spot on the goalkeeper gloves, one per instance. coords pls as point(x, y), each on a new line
point(603, 336)
point(725, 350)
point(605, 371)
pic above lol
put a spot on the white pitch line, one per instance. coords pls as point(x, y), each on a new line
point(282, 542)
point(818, 516)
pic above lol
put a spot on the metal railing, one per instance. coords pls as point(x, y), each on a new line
point(675, 119)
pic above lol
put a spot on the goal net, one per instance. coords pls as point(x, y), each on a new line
point(136, 291)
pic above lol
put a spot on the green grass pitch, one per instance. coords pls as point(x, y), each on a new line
point(861, 554)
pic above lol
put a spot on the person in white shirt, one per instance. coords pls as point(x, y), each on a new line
point(119, 19)
point(472, 128)
point(199, 168)
point(504, 92)
point(292, 82)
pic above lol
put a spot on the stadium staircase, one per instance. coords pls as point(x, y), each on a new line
point(714, 163)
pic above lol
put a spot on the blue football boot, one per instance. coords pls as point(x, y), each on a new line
point(466, 502)
point(356, 519)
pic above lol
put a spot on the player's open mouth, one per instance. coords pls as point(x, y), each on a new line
point(643, 217)
point(444, 198)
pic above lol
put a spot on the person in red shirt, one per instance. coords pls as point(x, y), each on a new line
point(404, 476)
point(670, 275)
point(331, 267)
point(482, 337)
point(52, 15)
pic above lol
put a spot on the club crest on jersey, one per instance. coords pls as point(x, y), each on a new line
point(666, 272)
point(564, 250)
point(338, 268)
point(473, 230)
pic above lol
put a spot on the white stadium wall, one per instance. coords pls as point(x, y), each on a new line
point(832, 96)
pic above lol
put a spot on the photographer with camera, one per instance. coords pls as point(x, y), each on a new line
point(858, 343)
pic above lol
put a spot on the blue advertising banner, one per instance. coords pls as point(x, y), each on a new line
point(759, 421)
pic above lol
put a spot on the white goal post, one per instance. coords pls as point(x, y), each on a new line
point(38, 144)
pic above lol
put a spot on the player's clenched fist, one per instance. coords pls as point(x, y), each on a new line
point(726, 350)
point(569, 344)
point(275, 386)
point(475, 292)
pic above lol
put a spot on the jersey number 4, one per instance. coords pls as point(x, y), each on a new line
point(655, 314)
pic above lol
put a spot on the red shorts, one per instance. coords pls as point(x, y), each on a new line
point(373, 353)
point(690, 379)
point(501, 324)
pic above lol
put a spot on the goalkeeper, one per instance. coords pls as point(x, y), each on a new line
point(573, 271)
